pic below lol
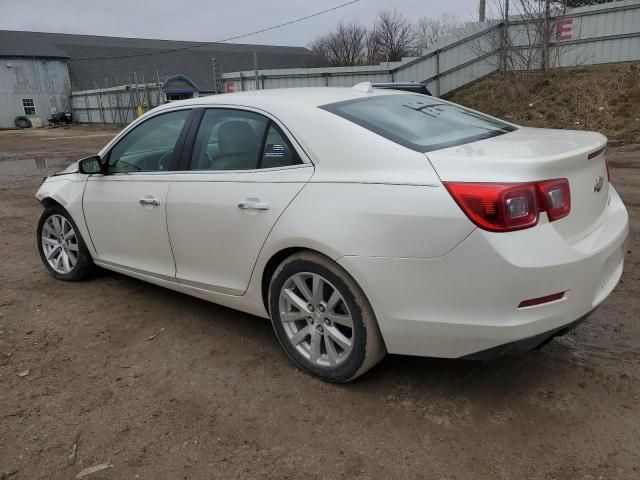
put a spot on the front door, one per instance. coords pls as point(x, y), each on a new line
point(125, 210)
point(243, 173)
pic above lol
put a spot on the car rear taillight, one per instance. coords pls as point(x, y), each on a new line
point(557, 198)
point(497, 207)
point(505, 207)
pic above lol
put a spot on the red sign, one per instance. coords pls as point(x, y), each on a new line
point(229, 87)
point(564, 28)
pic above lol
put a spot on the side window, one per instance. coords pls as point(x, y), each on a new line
point(228, 140)
point(239, 140)
point(150, 146)
point(277, 150)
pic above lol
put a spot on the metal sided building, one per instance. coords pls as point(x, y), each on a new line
point(34, 81)
point(38, 71)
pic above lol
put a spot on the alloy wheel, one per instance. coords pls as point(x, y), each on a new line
point(59, 244)
point(316, 319)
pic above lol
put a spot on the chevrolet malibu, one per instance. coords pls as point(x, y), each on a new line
point(361, 221)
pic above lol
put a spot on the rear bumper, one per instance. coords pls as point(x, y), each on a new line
point(526, 344)
point(466, 302)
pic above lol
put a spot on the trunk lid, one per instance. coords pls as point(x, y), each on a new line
point(535, 154)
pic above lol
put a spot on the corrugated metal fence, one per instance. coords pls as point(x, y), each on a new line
point(120, 105)
point(605, 33)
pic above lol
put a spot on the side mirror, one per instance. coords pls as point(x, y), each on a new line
point(90, 165)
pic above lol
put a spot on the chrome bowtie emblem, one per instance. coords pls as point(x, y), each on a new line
point(598, 184)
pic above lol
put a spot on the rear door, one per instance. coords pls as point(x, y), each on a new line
point(125, 210)
point(241, 173)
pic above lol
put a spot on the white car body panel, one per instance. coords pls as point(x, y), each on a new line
point(124, 232)
point(361, 219)
point(67, 190)
point(467, 300)
point(439, 286)
point(222, 255)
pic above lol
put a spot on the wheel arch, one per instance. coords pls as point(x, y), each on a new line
point(47, 202)
point(67, 193)
point(279, 256)
point(270, 267)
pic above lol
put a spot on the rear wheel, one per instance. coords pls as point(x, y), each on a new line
point(322, 318)
point(62, 249)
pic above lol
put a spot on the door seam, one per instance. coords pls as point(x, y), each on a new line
point(166, 223)
point(255, 263)
point(84, 217)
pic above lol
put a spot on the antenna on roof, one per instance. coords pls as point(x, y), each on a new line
point(364, 87)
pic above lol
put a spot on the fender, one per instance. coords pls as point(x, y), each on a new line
point(67, 190)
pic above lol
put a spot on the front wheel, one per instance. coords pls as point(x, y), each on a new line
point(322, 318)
point(62, 249)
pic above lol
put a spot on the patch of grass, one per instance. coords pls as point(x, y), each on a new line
point(603, 98)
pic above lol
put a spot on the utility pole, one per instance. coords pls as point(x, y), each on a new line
point(505, 36)
point(217, 80)
point(482, 10)
point(546, 37)
point(255, 67)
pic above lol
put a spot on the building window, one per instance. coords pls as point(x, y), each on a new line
point(29, 106)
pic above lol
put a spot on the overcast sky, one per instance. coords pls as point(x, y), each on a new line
point(209, 20)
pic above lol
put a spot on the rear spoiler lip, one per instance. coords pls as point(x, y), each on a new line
point(596, 153)
point(413, 87)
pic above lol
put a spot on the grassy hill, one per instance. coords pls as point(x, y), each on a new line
point(604, 98)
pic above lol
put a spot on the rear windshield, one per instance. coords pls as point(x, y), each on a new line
point(419, 122)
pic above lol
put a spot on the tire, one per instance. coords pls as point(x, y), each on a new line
point(22, 122)
point(49, 235)
point(332, 351)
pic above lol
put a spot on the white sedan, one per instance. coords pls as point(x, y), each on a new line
point(361, 221)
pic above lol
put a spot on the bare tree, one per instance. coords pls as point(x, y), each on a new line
point(346, 45)
point(320, 47)
point(578, 3)
point(429, 30)
point(373, 49)
point(389, 39)
point(526, 45)
point(395, 34)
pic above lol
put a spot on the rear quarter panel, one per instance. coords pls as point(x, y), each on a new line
point(375, 220)
point(363, 220)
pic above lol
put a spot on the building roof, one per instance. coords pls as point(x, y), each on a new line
point(15, 46)
point(147, 60)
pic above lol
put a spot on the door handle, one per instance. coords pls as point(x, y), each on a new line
point(254, 206)
point(150, 201)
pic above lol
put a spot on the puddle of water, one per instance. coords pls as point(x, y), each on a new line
point(104, 135)
point(33, 166)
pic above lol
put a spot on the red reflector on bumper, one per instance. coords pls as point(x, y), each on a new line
point(540, 300)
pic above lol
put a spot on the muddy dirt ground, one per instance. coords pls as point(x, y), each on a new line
point(163, 386)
